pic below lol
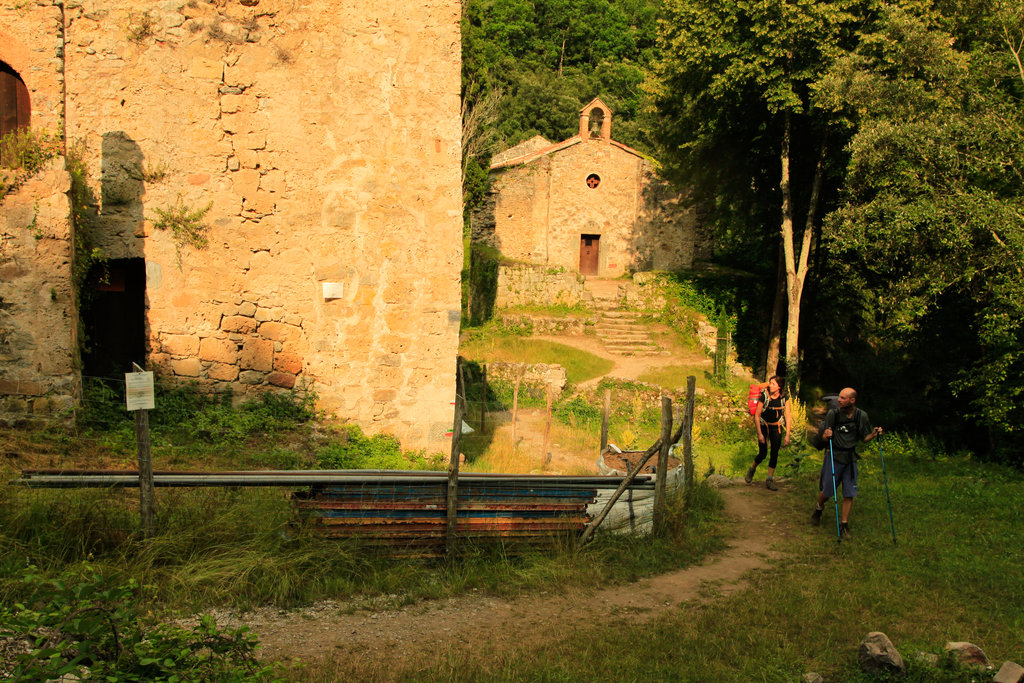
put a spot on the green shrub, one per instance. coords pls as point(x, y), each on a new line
point(95, 622)
point(353, 450)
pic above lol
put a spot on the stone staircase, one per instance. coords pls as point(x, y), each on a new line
point(618, 329)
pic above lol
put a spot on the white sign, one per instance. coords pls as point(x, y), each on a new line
point(139, 394)
point(333, 290)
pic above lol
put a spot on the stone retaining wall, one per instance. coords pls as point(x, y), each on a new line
point(525, 285)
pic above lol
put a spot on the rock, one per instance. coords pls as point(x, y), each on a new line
point(968, 654)
point(1009, 672)
point(877, 655)
point(928, 658)
point(718, 481)
point(812, 677)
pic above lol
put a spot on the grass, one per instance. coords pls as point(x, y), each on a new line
point(953, 575)
point(674, 376)
point(579, 365)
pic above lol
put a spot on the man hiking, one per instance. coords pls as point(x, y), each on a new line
point(845, 427)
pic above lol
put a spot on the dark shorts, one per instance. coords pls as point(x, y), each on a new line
point(846, 478)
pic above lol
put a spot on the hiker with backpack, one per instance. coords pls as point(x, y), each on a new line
point(845, 426)
point(771, 418)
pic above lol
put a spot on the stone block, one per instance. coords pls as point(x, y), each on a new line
point(219, 350)
point(261, 202)
point(238, 323)
point(211, 69)
point(186, 367)
point(385, 395)
point(180, 344)
point(263, 315)
point(41, 406)
point(288, 362)
point(246, 182)
point(281, 379)
point(247, 308)
point(248, 158)
point(21, 387)
point(198, 178)
point(279, 331)
point(250, 377)
point(257, 354)
point(968, 654)
point(1009, 672)
point(222, 372)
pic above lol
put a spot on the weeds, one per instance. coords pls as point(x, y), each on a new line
point(140, 26)
point(187, 226)
point(24, 152)
point(83, 619)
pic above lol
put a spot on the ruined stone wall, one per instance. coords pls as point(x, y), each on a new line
point(38, 321)
point(540, 210)
point(526, 285)
point(324, 137)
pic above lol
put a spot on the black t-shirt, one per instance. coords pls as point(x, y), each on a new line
point(772, 409)
point(847, 432)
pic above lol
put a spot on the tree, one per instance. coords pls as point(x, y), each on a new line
point(931, 230)
point(732, 91)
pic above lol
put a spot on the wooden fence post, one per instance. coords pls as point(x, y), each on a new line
point(547, 426)
point(452, 496)
point(483, 400)
point(662, 472)
point(604, 420)
point(691, 384)
point(147, 496)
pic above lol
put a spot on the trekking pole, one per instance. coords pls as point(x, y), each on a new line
point(885, 478)
point(835, 496)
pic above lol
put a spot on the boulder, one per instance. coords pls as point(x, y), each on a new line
point(968, 654)
point(1009, 672)
point(812, 677)
point(718, 481)
point(877, 655)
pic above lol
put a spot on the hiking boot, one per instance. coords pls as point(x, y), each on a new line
point(769, 484)
point(844, 531)
point(749, 476)
point(816, 516)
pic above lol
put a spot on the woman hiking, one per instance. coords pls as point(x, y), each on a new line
point(770, 420)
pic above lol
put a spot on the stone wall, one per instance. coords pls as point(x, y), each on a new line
point(524, 285)
point(536, 376)
point(38, 320)
point(324, 137)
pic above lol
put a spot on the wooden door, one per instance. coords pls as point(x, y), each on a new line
point(14, 104)
point(589, 252)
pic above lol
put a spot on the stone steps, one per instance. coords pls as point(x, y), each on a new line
point(618, 329)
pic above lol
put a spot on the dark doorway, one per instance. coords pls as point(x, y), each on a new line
point(114, 317)
point(589, 249)
point(15, 111)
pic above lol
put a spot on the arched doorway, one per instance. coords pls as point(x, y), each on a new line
point(15, 109)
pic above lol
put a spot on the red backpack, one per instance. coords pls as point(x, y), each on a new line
point(755, 393)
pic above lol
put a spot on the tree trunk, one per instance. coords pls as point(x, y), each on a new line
point(771, 364)
point(796, 270)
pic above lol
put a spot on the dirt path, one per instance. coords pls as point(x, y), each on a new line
point(387, 639)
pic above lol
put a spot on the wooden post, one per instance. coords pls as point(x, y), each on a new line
point(547, 426)
point(520, 371)
point(147, 497)
point(662, 473)
point(452, 496)
point(691, 384)
point(604, 420)
point(483, 401)
point(588, 533)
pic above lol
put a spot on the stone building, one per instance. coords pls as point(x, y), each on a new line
point(318, 146)
point(587, 204)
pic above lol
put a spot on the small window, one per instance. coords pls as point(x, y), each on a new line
point(593, 180)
